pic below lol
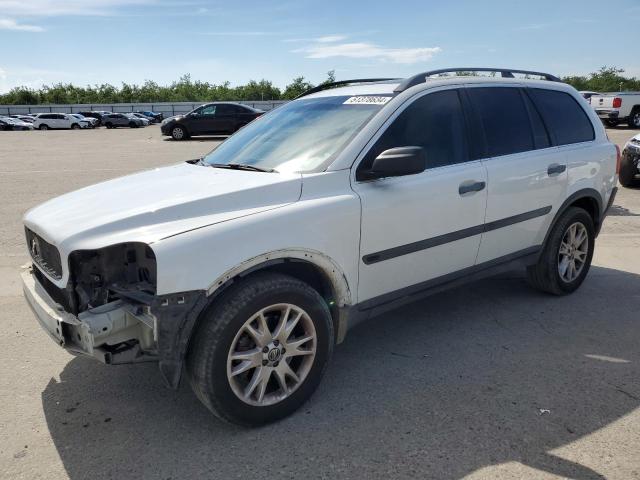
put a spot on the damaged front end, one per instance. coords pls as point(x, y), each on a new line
point(110, 309)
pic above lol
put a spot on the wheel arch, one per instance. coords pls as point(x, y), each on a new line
point(588, 199)
point(312, 267)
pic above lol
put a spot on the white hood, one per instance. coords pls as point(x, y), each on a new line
point(156, 204)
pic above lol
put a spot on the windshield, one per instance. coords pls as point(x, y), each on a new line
point(301, 136)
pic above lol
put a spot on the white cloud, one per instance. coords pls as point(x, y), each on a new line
point(331, 38)
point(241, 34)
point(66, 7)
point(11, 24)
point(329, 49)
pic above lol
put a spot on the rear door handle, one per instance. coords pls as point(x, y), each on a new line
point(471, 187)
point(555, 169)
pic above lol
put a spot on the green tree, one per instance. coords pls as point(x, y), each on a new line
point(298, 86)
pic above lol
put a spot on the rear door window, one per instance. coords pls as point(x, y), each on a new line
point(565, 118)
point(504, 118)
point(226, 110)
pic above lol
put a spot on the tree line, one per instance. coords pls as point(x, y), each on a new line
point(607, 79)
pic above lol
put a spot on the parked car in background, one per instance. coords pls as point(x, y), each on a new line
point(84, 121)
point(24, 118)
point(145, 120)
point(587, 94)
point(47, 121)
point(244, 268)
point(617, 108)
point(97, 115)
point(8, 123)
point(630, 163)
point(213, 118)
point(157, 117)
point(114, 120)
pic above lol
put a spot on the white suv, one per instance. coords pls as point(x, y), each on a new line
point(249, 264)
point(46, 121)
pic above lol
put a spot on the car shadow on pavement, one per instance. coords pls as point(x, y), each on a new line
point(618, 211)
point(488, 373)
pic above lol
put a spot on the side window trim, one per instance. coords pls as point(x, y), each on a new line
point(532, 132)
point(475, 129)
point(531, 104)
point(393, 117)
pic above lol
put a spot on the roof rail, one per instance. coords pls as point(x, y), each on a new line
point(326, 86)
point(504, 73)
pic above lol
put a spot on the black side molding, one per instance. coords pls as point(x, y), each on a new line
point(452, 237)
point(388, 301)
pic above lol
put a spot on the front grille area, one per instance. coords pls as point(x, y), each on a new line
point(45, 255)
point(59, 295)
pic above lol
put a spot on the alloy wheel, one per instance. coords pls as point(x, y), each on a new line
point(573, 252)
point(271, 355)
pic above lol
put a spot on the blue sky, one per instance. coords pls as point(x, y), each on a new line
point(114, 41)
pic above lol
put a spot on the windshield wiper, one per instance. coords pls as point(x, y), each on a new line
point(241, 166)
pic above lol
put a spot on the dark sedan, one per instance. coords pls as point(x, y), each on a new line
point(210, 119)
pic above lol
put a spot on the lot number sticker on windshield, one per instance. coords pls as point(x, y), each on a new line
point(367, 100)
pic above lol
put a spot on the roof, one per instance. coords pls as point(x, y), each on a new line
point(386, 88)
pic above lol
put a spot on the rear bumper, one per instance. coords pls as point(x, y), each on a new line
point(608, 114)
point(113, 333)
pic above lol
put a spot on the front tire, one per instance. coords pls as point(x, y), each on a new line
point(628, 172)
point(566, 256)
point(178, 132)
point(75, 126)
point(634, 118)
point(260, 349)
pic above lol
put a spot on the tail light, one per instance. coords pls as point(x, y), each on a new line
point(617, 102)
point(618, 159)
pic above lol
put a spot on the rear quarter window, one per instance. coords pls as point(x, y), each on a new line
point(567, 121)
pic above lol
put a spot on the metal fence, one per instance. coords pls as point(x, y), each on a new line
point(168, 109)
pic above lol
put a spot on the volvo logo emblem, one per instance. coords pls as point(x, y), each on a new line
point(35, 248)
point(274, 355)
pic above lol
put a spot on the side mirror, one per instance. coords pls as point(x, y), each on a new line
point(399, 161)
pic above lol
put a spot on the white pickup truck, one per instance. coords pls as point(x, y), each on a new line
point(616, 108)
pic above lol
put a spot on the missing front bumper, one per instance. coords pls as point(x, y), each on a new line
point(114, 333)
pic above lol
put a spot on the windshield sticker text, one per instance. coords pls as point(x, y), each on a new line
point(367, 100)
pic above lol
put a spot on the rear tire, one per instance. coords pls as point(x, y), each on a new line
point(262, 304)
point(133, 125)
point(108, 125)
point(611, 123)
point(548, 275)
point(44, 127)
